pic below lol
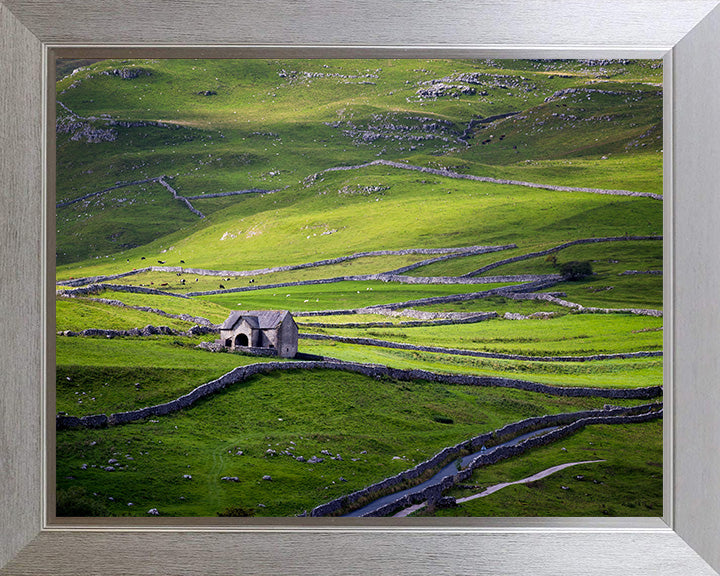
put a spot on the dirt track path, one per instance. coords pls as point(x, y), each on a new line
point(492, 489)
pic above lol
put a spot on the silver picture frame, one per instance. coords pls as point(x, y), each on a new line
point(683, 32)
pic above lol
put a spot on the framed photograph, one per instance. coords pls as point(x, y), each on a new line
point(668, 544)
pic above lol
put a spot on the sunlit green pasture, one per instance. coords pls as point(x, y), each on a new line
point(76, 315)
point(387, 426)
point(571, 334)
point(630, 373)
point(301, 224)
point(627, 483)
point(98, 375)
point(339, 295)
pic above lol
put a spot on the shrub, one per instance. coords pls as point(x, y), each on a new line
point(576, 270)
point(236, 511)
point(443, 419)
point(76, 502)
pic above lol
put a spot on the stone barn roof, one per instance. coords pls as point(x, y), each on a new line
point(260, 319)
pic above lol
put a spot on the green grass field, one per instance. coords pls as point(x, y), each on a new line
point(388, 426)
point(279, 126)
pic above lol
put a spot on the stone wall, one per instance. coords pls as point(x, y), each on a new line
point(387, 277)
point(434, 493)
point(450, 174)
point(477, 353)
point(568, 422)
point(467, 252)
point(185, 317)
point(118, 185)
point(583, 309)
point(635, 272)
point(235, 193)
point(557, 249)
point(176, 196)
point(93, 289)
point(464, 319)
point(97, 279)
point(373, 370)
point(148, 330)
point(453, 252)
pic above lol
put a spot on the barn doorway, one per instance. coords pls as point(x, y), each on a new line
point(242, 340)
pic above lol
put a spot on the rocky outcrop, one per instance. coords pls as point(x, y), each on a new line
point(635, 272)
point(127, 73)
point(83, 131)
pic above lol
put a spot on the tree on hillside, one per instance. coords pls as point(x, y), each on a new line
point(576, 270)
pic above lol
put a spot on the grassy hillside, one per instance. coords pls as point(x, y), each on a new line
point(151, 155)
point(270, 124)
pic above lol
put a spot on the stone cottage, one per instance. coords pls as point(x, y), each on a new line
point(264, 330)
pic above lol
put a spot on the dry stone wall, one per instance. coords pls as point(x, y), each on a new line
point(452, 252)
point(557, 249)
point(185, 317)
point(464, 319)
point(450, 174)
point(568, 423)
point(373, 370)
point(148, 330)
point(118, 185)
point(477, 353)
point(93, 289)
point(583, 309)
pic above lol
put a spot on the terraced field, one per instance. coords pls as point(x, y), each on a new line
point(472, 251)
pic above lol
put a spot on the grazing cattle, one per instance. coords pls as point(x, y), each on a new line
point(161, 261)
point(178, 273)
point(222, 287)
point(142, 257)
point(164, 284)
point(182, 261)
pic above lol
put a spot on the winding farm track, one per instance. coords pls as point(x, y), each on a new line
point(492, 489)
point(386, 497)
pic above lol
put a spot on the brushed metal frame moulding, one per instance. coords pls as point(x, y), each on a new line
point(53, 52)
point(29, 38)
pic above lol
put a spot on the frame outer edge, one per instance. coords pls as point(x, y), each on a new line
point(21, 284)
point(696, 125)
point(21, 163)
